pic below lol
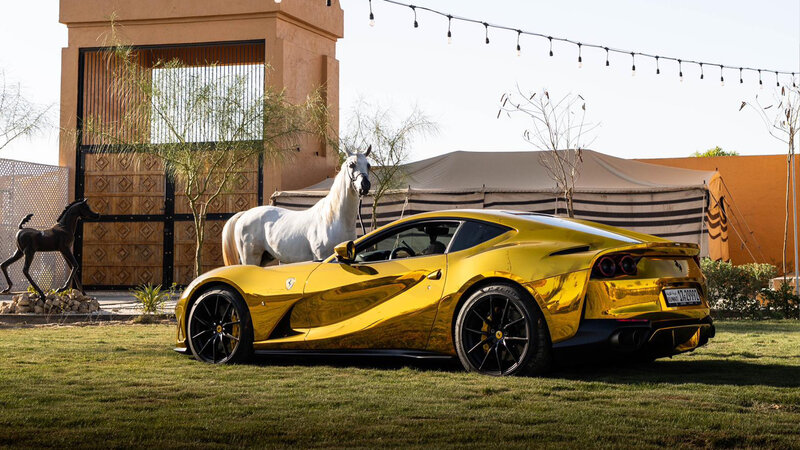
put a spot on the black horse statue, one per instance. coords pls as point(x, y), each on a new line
point(56, 239)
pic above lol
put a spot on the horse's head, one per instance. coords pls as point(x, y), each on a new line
point(357, 167)
point(85, 211)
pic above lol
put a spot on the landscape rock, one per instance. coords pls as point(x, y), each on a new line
point(68, 302)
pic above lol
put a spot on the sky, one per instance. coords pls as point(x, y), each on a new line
point(459, 85)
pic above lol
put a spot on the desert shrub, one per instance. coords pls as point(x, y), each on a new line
point(735, 290)
point(151, 298)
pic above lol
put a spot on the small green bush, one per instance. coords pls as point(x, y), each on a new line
point(783, 302)
point(735, 290)
point(151, 298)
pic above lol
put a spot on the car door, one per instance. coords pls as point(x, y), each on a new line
point(386, 298)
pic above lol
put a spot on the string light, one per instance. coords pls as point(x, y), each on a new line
point(371, 16)
point(579, 44)
point(721, 78)
point(449, 33)
point(760, 82)
point(328, 3)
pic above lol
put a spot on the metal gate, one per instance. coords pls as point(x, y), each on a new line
point(145, 233)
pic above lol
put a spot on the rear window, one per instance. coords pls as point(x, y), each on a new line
point(473, 233)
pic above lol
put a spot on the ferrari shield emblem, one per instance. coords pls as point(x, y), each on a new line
point(289, 283)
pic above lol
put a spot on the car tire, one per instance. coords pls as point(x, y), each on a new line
point(219, 329)
point(500, 331)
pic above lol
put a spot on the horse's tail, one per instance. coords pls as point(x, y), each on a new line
point(230, 255)
point(25, 220)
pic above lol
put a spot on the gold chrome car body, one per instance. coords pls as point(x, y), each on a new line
point(410, 303)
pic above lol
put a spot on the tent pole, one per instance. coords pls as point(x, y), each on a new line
point(794, 225)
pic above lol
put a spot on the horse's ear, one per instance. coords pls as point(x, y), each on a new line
point(369, 149)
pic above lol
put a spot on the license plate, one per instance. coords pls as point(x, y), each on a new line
point(682, 297)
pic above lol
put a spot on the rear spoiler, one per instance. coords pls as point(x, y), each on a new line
point(656, 248)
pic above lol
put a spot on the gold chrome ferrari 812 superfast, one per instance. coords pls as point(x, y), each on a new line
point(501, 290)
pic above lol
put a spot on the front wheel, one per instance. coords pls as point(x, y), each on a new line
point(500, 332)
point(219, 329)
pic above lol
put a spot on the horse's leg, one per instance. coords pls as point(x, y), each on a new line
point(4, 267)
point(73, 265)
point(249, 253)
point(28, 260)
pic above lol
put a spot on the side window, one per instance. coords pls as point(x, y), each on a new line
point(419, 239)
point(474, 233)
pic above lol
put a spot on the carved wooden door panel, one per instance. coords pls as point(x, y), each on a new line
point(129, 251)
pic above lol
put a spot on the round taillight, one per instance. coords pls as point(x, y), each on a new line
point(627, 265)
point(606, 267)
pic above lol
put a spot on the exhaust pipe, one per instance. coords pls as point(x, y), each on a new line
point(629, 338)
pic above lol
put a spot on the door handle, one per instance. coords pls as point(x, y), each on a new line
point(435, 275)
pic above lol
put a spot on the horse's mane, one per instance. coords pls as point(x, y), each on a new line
point(333, 198)
point(66, 208)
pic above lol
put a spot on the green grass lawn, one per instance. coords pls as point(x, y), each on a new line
point(112, 386)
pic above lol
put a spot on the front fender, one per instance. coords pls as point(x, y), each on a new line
point(268, 292)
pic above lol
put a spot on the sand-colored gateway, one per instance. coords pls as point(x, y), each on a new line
point(145, 234)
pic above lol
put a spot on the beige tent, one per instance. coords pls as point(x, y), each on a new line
point(677, 204)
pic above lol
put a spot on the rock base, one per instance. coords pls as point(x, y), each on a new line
point(69, 302)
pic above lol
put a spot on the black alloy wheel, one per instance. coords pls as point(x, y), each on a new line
point(219, 328)
point(500, 332)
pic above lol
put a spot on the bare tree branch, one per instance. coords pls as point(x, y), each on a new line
point(558, 130)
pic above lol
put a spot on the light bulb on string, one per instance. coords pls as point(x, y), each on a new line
point(793, 84)
point(607, 63)
point(760, 81)
point(658, 68)
point(486, 26)
point(371, 16)
point(741, 80)
point(414, 8)
point(550, 38)
point(721, 78)
point(702, 75)
point(328, 3)
point(680, 70)
point(777, 81)
point(580, 58)
point(449, 33)
point(519, 48)
point(633, 64)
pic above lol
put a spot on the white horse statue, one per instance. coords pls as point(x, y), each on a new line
point(266, 233)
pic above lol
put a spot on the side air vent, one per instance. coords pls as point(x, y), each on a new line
point(571, 250)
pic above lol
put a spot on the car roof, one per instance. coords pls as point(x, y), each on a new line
point(523, 219)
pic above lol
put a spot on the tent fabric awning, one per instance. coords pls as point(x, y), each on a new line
point(668, 202)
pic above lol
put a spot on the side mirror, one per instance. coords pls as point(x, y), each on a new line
point(345, 252)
